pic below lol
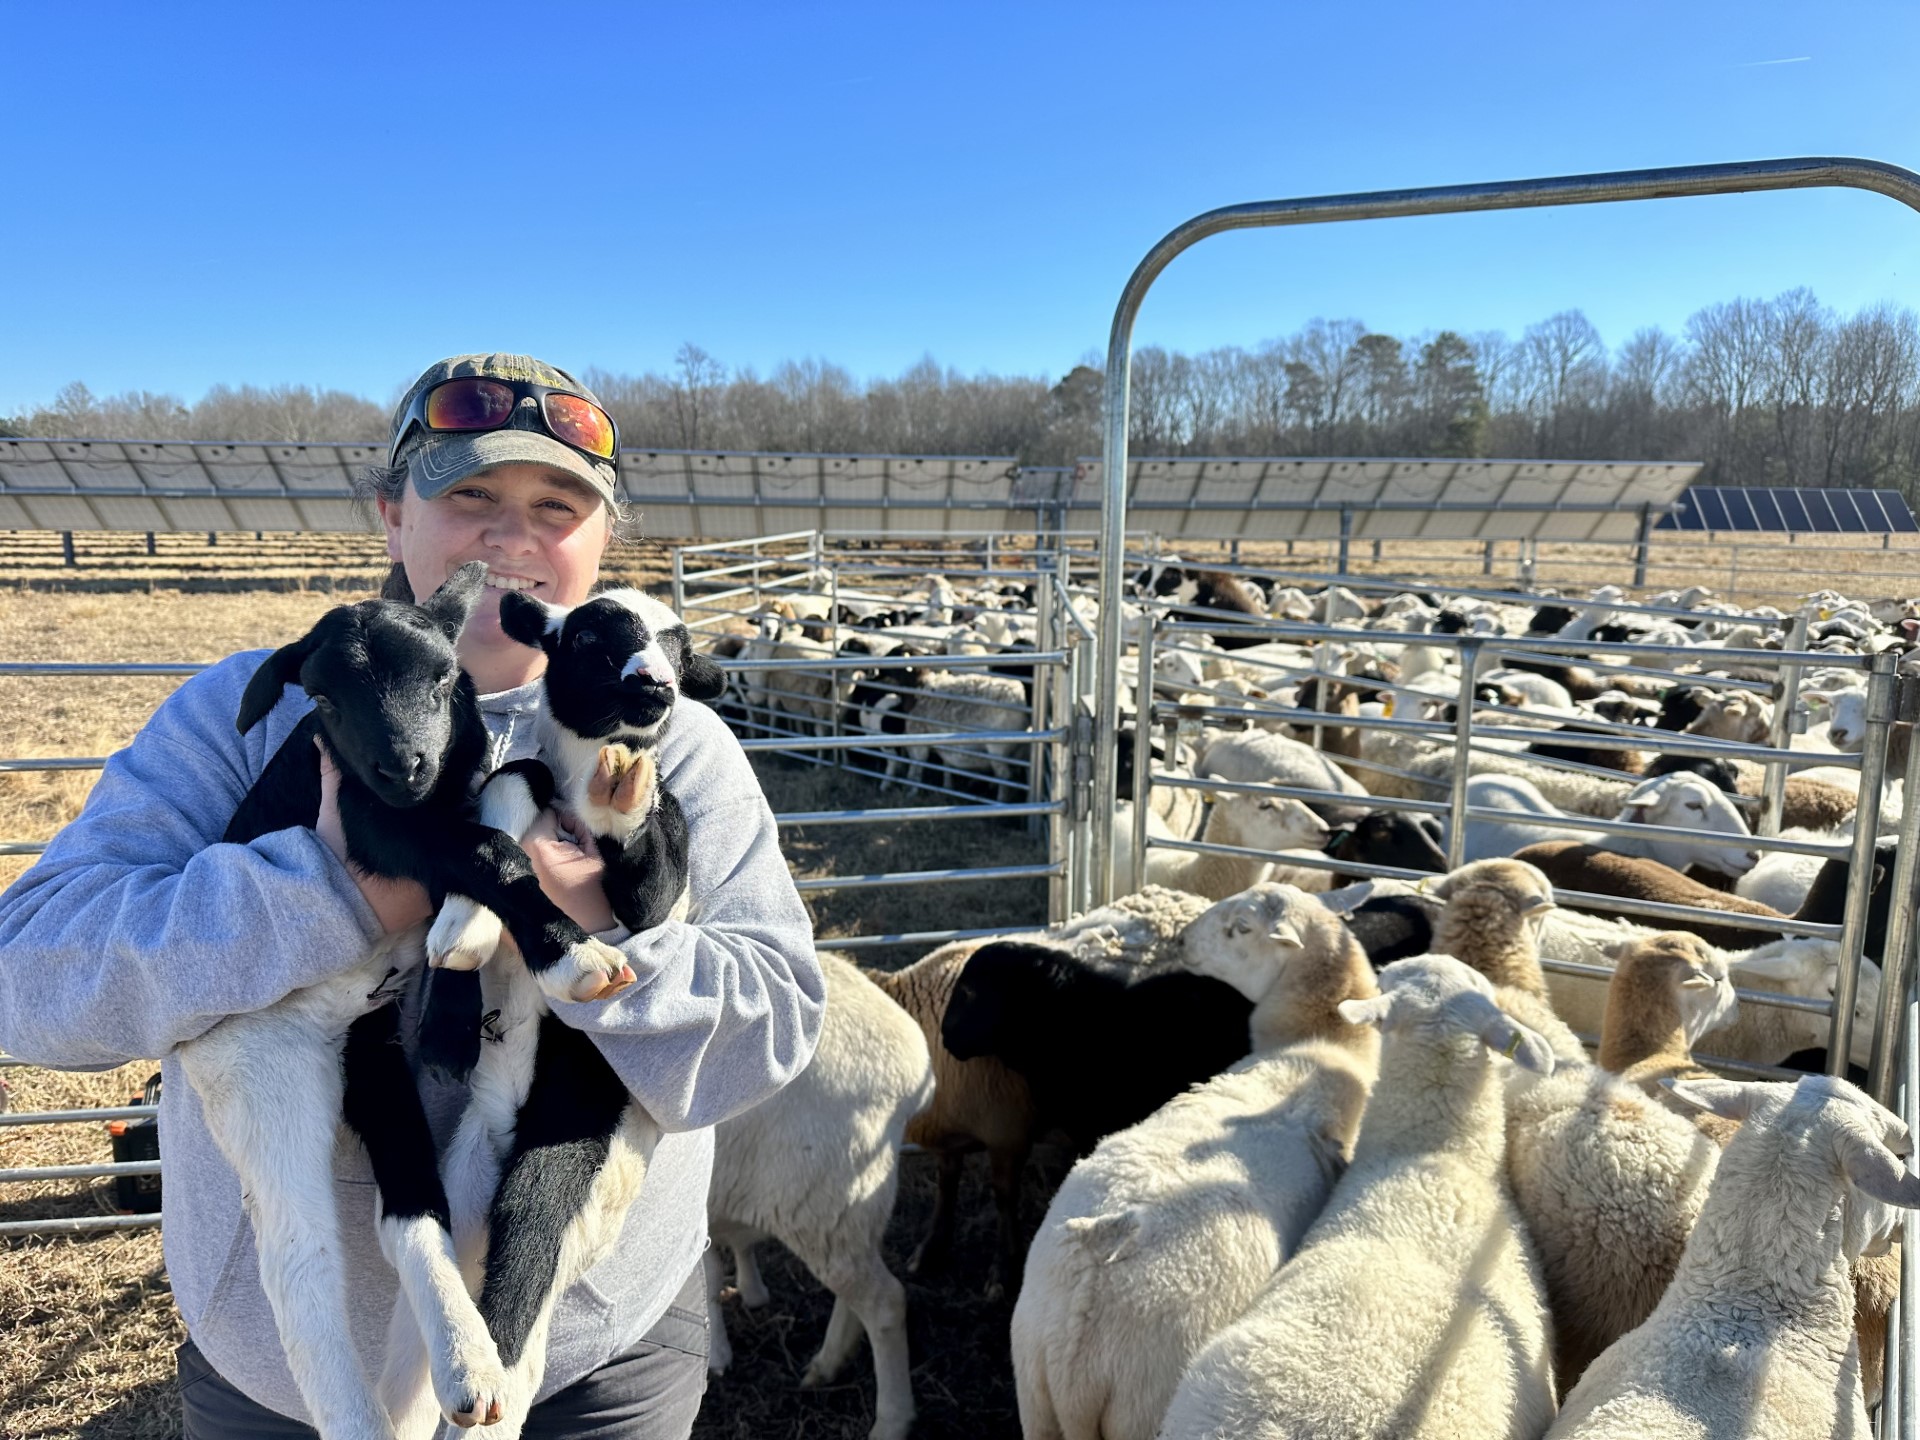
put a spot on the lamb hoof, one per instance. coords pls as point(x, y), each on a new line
point(621, 793)
point(472, 1393)
point(753, 1294)
point(590, 970)
point(464, 935)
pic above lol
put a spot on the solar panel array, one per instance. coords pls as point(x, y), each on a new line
point(1386, 499)
point(198, 485)
point(1812, 512)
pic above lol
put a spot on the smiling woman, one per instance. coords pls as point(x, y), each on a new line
point(139, 929)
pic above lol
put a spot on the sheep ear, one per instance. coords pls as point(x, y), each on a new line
point(1442, 887)
point(700, 677)
point(532, 622)
point(1284, 934)
point(1614, 949)
point(1697, 982)
point(453, 602)
point(1729, 1099)
point(1374, 1010)
point(1535, 904)
point(1876, 1172)
point(276, 672)
point(1787, 966)
point(1501, 1033)
point(1353, 896)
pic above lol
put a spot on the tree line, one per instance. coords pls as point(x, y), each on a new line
point(1765, 392)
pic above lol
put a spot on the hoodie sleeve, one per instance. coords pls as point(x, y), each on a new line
point(138, 930)
point(726, 1006)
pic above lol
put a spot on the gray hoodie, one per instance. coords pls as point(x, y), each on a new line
point(138, 930)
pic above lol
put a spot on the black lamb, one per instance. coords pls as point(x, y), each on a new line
point(1099, 1050)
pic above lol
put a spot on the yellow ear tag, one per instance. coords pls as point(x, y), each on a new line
point(1420, 885)
point(1387, 710)
point(1513, 1046)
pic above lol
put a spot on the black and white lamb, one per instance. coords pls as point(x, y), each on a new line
point(552, 1133)
point(392, 706)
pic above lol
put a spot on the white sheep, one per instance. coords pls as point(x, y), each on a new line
point(1608, 1179)
point(1754, 1337)
point(1253, 822)
point(816, 1167)
point(1414, 1306)
point(1168, 1229)
point(1673, 800)
point(1260, 757)
point(1760, 1034)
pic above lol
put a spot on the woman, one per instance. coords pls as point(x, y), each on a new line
point(137, 931)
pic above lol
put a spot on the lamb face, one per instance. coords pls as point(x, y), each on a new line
point(385, 683)
point(615, 663)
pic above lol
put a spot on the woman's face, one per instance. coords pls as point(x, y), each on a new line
point(539, 530)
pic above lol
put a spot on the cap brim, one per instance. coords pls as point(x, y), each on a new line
point(452, 458)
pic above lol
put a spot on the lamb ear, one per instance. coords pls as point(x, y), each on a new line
point(1371, 1011)
point(701, 678)
point(276, 672)
point(532, 622)
point(1729, 1099)
point(1284, 934)
point(453, 602)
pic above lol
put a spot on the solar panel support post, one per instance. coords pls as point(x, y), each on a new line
point(1486, 561)
point(1799, 173)
point(66, 548)
point(1640, 541)
point(151, 548)
point(1346, 538)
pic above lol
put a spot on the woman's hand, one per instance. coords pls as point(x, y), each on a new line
point(570, 872)
point(397, 904)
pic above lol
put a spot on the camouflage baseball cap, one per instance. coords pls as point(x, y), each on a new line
point(437, 460)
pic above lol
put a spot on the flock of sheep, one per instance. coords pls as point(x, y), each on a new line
point(1370, 1146)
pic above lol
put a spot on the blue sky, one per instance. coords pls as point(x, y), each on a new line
point(337, 194)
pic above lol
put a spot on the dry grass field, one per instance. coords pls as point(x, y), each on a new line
point(89, 1324)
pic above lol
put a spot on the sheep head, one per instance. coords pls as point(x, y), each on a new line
point(386, 685)
point(1697, 804)
point(1437, 995)
point(615, 663)
point(1825, 1116)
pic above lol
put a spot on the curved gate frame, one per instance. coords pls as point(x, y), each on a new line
point(1739, 177)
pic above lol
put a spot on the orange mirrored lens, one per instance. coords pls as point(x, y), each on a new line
point(469, 404)
point(581, 424)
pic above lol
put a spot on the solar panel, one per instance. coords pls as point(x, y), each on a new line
point(1774, 510)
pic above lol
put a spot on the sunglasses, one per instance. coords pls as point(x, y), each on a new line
point(476, 402)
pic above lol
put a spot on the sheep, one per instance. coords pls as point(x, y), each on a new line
point(616, 666)
point(923, 702)
point(1491, 917)
point(1259, 757)
point(1609, 1183)
point(1254, 822)
point(1577, 866)
point(816, 1167)
point(1666, 992)
point(1419, 1250)
point(981, 1104)
point(1673, 800)
point(332, 1048)
point(1168, 1230)
point(1754, 1335)
point(1759, 1034)
point(1099, 1051)
point(1390, 837)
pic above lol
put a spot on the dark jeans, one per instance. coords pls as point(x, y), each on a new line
point(650, 1393)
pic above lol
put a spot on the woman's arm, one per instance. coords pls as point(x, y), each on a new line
point(137, 929)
